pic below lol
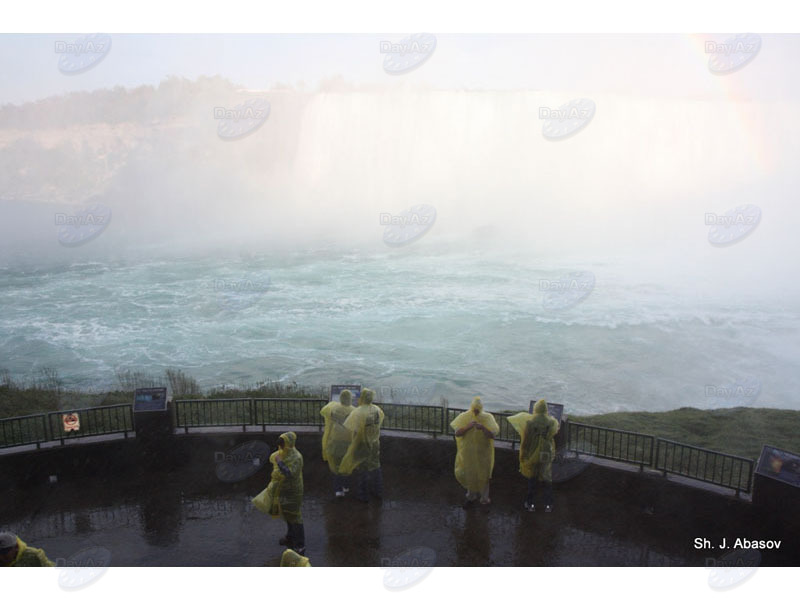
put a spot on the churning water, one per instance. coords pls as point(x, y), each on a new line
point(416, 325)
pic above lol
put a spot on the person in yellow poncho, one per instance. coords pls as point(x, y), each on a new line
point(475, 431)
point(336, 439)
point(16, 553)
point(536, 451)
point(363, 456)
point(283, 497)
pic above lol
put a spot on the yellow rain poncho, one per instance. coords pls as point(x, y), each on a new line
point(364, 424)
point(290, 558)
point(283, 497)
point(28, 556)
point(536, 448)
point(336, 439)
point(474, 449)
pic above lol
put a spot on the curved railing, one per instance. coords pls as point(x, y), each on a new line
point(667, 456)
point(81, 422)
point(612, 444)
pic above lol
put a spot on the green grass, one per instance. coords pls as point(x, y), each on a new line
point(739, 431)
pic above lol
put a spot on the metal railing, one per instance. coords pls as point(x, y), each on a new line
point(262, 412)
point(614, 444)
point(668, 456)
point(98, 420)
point(244, 412)
point(288, 411)
point(21, 431)
point(226, 412)
point(49, 427)
point(413, 417)
point(507, 432)
point(727, 470)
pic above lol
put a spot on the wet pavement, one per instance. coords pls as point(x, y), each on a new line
point(171, 507)
point(162, 519)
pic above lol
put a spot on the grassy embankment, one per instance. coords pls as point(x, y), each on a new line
point(740, 431)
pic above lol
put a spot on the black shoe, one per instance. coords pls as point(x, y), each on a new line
point(529, 506)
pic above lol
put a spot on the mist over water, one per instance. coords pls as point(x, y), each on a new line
point(262, 257)
point(417, 326)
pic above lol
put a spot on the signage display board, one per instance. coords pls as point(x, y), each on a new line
point(779, 464)
point(355, 389)
point(150, 399)
point(553, 409)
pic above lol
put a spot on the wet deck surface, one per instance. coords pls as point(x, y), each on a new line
point(160, 519)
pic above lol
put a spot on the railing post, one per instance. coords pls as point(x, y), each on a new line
point(569, 436)
point(658, 455)
point(750, 466)
point(48, 428)
point(261, 403)
point(44, 429)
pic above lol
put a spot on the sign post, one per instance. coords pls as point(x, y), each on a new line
point(154, 421)
point(776, 481)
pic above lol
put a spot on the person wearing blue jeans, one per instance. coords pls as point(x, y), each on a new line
point(369, 483)
point(341, 485)
point(547, 488)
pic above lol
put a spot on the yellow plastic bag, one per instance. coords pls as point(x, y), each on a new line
point(266, 501)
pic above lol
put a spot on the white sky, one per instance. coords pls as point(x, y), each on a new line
point(661, 65)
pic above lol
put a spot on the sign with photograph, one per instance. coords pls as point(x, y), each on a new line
point(71, 422)
point(779, 464)
point(355, 389)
